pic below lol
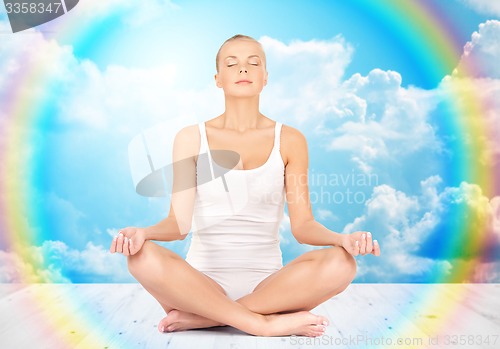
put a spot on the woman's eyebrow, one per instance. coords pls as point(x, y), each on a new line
point(234, 57)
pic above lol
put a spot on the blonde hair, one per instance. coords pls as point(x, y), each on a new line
point(238, 37)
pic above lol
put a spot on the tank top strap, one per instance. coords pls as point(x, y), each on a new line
point(203, 136)
point(277, 133)
point(204, 146)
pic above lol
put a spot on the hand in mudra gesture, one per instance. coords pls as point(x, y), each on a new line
point(129, 241)
point(360, 242)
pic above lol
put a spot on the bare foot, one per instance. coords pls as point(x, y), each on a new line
point(302, 323)
point(177, 320)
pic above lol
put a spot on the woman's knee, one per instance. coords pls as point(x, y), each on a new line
point(146, 257)
point(135, 261)
point(339, 266)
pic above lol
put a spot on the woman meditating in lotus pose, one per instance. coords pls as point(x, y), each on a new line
point(233, 273)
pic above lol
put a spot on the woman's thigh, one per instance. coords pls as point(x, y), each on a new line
point(155, 257)
point(315, 255)
point(305, 282)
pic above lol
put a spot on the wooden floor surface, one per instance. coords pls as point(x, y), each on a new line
point(364, 316)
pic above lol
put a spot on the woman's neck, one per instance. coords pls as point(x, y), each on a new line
point(241, 114)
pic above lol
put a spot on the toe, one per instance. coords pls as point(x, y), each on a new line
point(168, 320)
point(162, 324)
point(318, 330)
point(314, 332)
point(323, 321)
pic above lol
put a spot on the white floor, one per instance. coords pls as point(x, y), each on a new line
point(364, 316)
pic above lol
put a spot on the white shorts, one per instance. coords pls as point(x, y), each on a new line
point(238, 283)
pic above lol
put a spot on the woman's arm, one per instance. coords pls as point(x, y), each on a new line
point(304, 227)
point(165, 230)
point(312, 232)
point(177, 225)
point(178, 222)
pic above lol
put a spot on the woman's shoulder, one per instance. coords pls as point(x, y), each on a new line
point(189, 130)
point(293, 143)
point(187, 140)
point(292, 136)
point(188, 133)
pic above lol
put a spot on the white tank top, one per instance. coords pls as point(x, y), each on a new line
point(237, 215)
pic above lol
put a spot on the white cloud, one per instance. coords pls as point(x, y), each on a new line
point(54, 261)
point(484, 272)
point(487, 7)
point(377, 129)
point(404, 225)
point(474, 88)
point(369, 117)
point(13, 269)
point(112, 232)
point(116, 98)
point(32, 50)
point(119, 98)
point(481, 213)
point(409, 265)
point(393, 214)
point(481, 54)
point(366, 116)
point(323, 214)
point(303, 77)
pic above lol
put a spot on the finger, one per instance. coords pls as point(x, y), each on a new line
point(376, 248)
point(131, 247)
point(356, 248)
point(362, 248)
point(369, 242)
point(119, 243)
point(112, 248)
point(126, 251)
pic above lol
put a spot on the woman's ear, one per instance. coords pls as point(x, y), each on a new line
point(265, 78)
point(217, 82)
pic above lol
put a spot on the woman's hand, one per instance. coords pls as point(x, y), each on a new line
point(129, 241)
point(360, 242)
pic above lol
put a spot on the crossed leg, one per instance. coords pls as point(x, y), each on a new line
point(315, 277)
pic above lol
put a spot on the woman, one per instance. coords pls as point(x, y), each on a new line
point(233, 274)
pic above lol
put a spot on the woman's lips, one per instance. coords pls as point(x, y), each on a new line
point(243, 82)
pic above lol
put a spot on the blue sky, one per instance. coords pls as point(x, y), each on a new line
point(337, 72)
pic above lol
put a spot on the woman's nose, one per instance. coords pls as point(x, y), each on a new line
point(243, 69)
